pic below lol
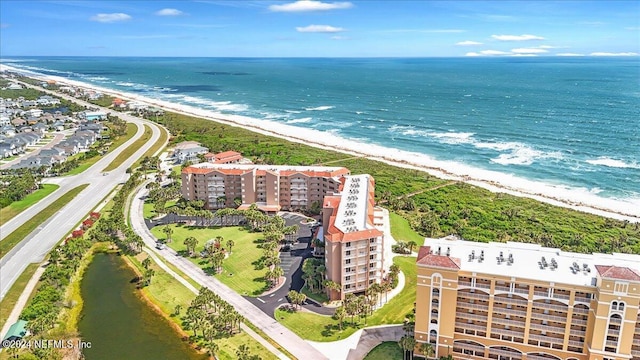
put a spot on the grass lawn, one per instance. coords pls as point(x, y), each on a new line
point(401, 231)
point(324, 328)
point(319, 297)
point(164, 135)
point(388, 350)
point(20, 233)
point(166, 292)
point(148, 212)
point(8, 212)
point(126, 153)
point(11, 297)
point(239, 270)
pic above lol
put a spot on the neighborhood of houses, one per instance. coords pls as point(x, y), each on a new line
point(24, 124)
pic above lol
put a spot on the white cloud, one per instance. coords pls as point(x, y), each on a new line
point(524, 55)
point(309, 5)
point(632, 28)
point(109, 18)
point(569, 54)
point(319, 29)
point(339, 37)
point(169, 12)
point(468, 43)
point(613, 54)
point(488, 53)
point(524, 37)
point(528, 51)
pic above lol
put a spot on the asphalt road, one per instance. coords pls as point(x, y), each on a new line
point(37, 244)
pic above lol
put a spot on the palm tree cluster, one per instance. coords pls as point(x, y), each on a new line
point(159, 195)
point(214, 253)
point(313, 271)
point(355, 307)
point(148, 272)
point(408, 342)
point(296, 298)
point(16, 187)
point(402, 247)
point(244, 353)
point(211, 318)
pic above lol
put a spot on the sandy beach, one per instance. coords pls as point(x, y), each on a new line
point(574, 198)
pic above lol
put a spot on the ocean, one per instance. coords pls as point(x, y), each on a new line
point(569, 124)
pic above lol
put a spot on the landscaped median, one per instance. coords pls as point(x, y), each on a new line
point(241, 269)
point(126, 153)
point(23, 231)
point(311, 326)
point(9, 212)
point(164, 135)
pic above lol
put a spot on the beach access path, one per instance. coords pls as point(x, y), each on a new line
point(286, 338)
point(35, 247)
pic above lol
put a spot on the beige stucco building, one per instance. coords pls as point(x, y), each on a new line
point(271, 187)
point(523, 301)
point(354, 243)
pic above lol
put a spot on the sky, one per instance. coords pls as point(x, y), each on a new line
point(314, 28)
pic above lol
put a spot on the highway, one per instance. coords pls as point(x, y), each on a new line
point(36, 246)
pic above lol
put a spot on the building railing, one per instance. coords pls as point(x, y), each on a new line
point(465, 325)
point(512, 354)
point(636, 341)
point(479, 296)
point(546, 338)
point(522, 313)
point(471, 316)
point(560, 319)
point(561, 296)
point(612, 343)
point(575, 332)
point(472, 347)
point(548, 328)
point(507, 332)
point(575, 343)
point(510, 300)
point(480, 307)
point(544, 305)
point(580, 310)
point(615, 320)
point(509, 322)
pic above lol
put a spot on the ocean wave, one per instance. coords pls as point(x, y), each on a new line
point(453, 137)
point(524, 155)
point(293, 111)
point(609, 162)
point(206, 103)
point(125, 84)
point(299, 121)
point(320, 108)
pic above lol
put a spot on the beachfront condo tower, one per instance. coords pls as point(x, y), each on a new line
point(353, 239)
point(271, 187)
point(524, 301)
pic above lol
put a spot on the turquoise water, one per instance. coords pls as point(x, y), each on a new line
point(569, 122)
point(118, 324)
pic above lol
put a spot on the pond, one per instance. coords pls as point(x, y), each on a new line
point(118, 323)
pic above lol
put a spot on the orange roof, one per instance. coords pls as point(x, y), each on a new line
point(425, 257)
point(196, 170)
point(209, 155)
point(617, 272)
point(226, 154)
point(362, 234)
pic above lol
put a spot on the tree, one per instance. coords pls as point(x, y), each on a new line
point(146, 263)
point(296, 298)
point(411, 245)
point(230, 244)
point(243, 352)
point(426, 349)
point(407, 343)
point(332, 285)
point(340, 314)
point(177, 309)
point(168, 232)
point(191, 242)
point(278, 272)
point(212, 347)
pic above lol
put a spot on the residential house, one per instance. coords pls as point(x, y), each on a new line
point(57, 126)
point(188, 151)
point(28, 103)
point(19, 122)
point(14, 86)
point(8, 130)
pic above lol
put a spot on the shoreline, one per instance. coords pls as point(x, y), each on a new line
point(573, 198)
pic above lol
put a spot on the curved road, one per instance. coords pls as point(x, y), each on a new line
point(37, 244)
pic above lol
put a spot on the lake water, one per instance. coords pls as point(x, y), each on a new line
point(117, 321)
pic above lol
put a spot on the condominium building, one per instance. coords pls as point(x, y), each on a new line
point(523, 301)
point(271, 187)
point(354, 243)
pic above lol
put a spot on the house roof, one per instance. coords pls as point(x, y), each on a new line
point(617, 272)
point(425, 257)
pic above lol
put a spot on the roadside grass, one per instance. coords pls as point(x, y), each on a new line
point(9, 212)
point(402, 231)
point(166, 292)
point(241, 269)
point(124, 155)
point(164, 135)
point(388, 350)
point(11, 297)
point(315, 327)
point(23, 231)
point(85, 164)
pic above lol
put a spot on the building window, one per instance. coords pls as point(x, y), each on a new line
point(371, 257)
point(348, 253)
point(620, 288)
point(348, 261)
point(349, 244)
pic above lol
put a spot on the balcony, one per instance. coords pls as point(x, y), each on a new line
point(512, 301)
point(580, 333)
point(480, 285)
point(539, 316)
point(499, 352)
point(580, 310)
point(561, 296)
point(479, 296)
point(541, 293)
point(501, 288)
point(465, 325)
point(521, 313)
point(615, 320)
point(611, 343)
point(582, 299)
point(507, 332)
point(636, 341)
point(543, 305)
point(464, 283)
point(548, 328)
point(546, 338)
point(471, 347)
point(578, 344)
point(473, 306)
point(464, 316)
point(523, 291)
point(510, 322)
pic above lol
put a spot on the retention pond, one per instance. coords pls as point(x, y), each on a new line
point(118, 323)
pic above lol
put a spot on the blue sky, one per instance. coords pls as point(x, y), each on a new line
point(319, 28)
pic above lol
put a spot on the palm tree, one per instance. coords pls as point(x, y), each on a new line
point(407, 343)
point(426, 349)
point(213, 348)
point(230, 244)
point(191, 243)
point(278, 272)
point(167, 231)
point(340, 314)
point(332, 285)
point(411, 245)
point(146, 263)
point(243, 352)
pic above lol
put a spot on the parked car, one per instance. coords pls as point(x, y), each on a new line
point(160, 245)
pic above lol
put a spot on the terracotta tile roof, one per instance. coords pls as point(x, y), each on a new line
point(617, 272)
point(226, 154)
point(425, 257)
point(362, 234)
point(196, 170)
point(209, 155)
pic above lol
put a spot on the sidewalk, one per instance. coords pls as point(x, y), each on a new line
point(22, 300)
